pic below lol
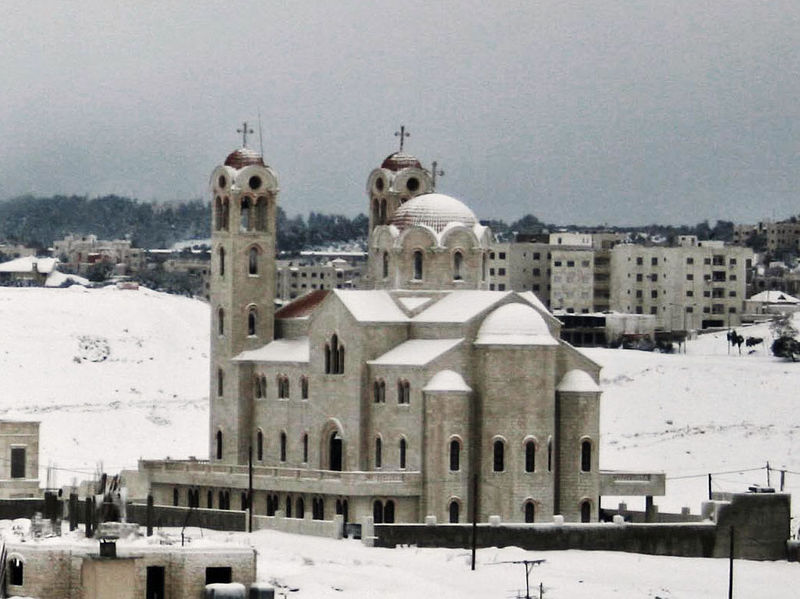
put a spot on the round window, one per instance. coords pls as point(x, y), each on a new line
point(254, 182)
point(379, 184)
point(221, 181)
point(412, 184)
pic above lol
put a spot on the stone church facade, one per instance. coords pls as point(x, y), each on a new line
point(424, 395)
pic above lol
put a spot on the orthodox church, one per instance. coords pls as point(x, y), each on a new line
point(425, 394)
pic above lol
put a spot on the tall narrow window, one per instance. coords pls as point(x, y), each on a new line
point(383, 212)
point(418, 265)
point(283, 447)
point(455, 455)
point(454, 508)
point(403, 392)
point(175, 497)
point(378, 452)
point(334, 356)
point(550, 455)
point(305, 448)
point(251, 321)
point(245, 223)
point(388, 512)
point(586, 511)
point(260, 446)
point(252, 261)
point(483, 267)
point(530, 456)
point(221, 321)
point(261, 213)
point(220, 382)
point(530, 512)
point(301, 508)
point(377, 512)
point(458, 259)
point(403, 447)
point(218, 213)
point(226, 213)
point(221, 262)
point(586, 455)
point(385, 264)
point(304, 387)
point(15, 571)
point(219, 445)
point(499, 456)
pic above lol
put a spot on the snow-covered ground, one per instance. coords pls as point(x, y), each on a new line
point(705, 411)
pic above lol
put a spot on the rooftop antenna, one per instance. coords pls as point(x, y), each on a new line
point(260, 135)
point(435, 173)
point(244, 131)
point(402, 134)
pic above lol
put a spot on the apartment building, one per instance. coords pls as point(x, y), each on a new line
point(81, 251)
point(298, 277)
point(691, 286)
point(781, 236)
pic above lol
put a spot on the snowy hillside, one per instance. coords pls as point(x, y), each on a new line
point(112, 375)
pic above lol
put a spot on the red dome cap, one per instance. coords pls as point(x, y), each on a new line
point(399, 160)
point(244, 157)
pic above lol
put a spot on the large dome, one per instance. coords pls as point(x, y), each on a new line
point(434, 210)
point(400, 160)
point(514, 324)
point(243, 157)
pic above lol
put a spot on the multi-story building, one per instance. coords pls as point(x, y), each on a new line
point(691, 286)
point(298, 277)
point(391, 402)
point(81, 251)
point(780, 236)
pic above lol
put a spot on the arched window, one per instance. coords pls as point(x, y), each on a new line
point(379, 391)
point(252, 319)
point(304, 387)
point(377, 512)
point(221, 254)
point(499, 456)
point(586, 455)
point(530, 456)
point(219, 444)
point(252, 261)
point(221, 321)
point(453, 509)
point(301, 508)
point(283, 447)
point(16, 571)
point(288, 506)
point(458, 259)
point(245, 223)
point(418, 265)
point(283, 386)
point(218, 213)
point(385, 264)
point(220, 382)
point(530, 511)
point(455, 455)
point(261, 214)
point(243, 500)
point(586, 510)
point(210, 498)
point(550, 454)
point(403, 392)
point(175, 496)
point(403, 448)
point(335, 451)
point(226, 213)
point(260, 446)
point(378, 452)
point(334, 356)
point(305, 448)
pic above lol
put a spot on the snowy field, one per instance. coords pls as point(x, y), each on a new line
point(118, 375)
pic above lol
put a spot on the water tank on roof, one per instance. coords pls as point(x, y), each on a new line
point(260, 590)
point(229, 590)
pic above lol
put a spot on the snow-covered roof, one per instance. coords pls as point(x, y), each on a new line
point(280, 350)
point(460, 306)
point(415, 352)
point(27, 264)
point(446, 380)
point(371, 306)
point(774, 297)
point(434, 210)
point(56, 279)
point(413, 302)
point(578, 381)
point(514, 324)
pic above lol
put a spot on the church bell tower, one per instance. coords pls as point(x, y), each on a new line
point(244, 193)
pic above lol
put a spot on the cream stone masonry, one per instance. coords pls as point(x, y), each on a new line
point(395, 402)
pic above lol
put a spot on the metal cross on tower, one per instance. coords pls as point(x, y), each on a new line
point(244, 131)
point(435, 172)
point(402, 134)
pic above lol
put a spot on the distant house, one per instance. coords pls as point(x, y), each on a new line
point(31, 271)
point(19, 459)
point(772, 302)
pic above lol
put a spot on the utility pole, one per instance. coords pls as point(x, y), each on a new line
point(768, 474)
point(474, 517)
point(730, 569)
point(709, 486)
point(250, 488)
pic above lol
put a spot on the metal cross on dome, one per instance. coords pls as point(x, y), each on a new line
point(402, 134)
point(244, 131)
point(435, 172)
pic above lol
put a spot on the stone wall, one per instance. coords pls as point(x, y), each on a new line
point(200, 517)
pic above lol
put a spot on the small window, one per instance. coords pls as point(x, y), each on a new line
point(303, 387)
point(385, 264)
point(378, 452)
point(418, 265)
point(530, 456)
point(252, 262)
point(260, 446)
point(15, 571)
point(586, 455)
point(305, 448)
point(403, 392)
point(458, 259)
point(220, 382)
point(498, 462)
point(639, 260)
point(453, 512)
point(455, 455)
point(222, 262)
point(403, 449)
point(252, 318)
point(530, 511)
point(220, 321)
point(283, 447)
point(219, 444)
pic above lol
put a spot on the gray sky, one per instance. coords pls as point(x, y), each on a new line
point(591, 112)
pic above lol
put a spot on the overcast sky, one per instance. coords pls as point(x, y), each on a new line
point(587, 112)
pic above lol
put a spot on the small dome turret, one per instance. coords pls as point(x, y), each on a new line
point(243, 157)
point(400, 160)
